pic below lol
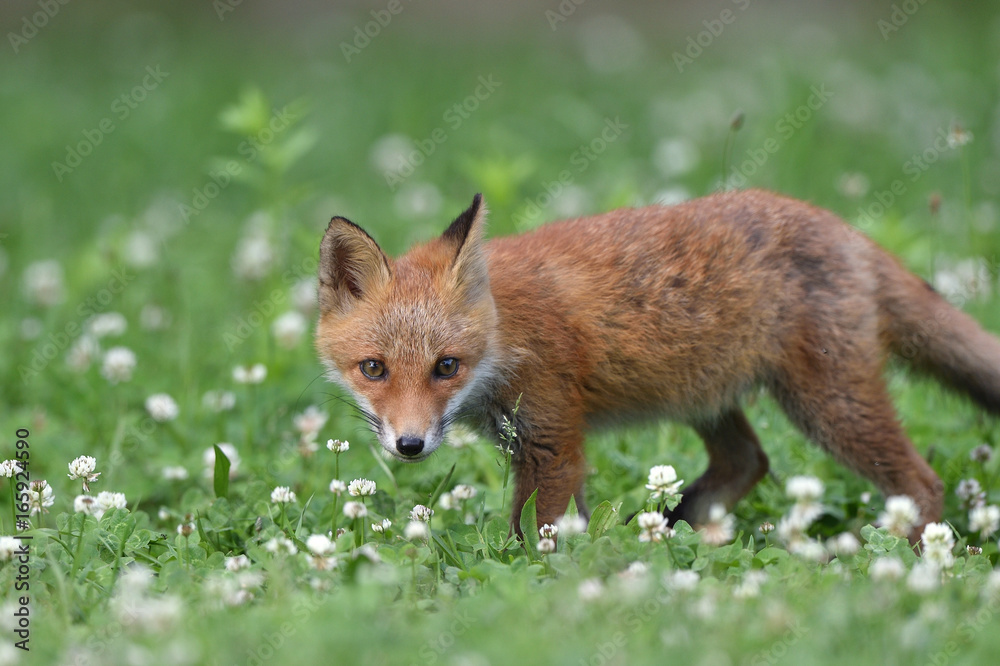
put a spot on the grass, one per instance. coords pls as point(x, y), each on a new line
point(247, 133)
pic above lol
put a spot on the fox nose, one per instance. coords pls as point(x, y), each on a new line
point(409, 446)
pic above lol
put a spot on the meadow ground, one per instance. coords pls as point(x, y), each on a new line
point(167, 173)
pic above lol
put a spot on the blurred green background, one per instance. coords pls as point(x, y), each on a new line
point(193, 152)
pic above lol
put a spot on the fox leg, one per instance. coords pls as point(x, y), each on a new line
point(838, 399)
point(556, 467)
point(736, 463)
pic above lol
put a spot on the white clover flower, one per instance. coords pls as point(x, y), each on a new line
point(381, 527)
point(970, 492)
point(804, 488)
point(254, 374)
point(309, 422)
point(40, 496)
point(83, 468)
point(985, 520)
point(174, 473)
point(570, 525)
point(8, 546)
point(958, 136)
point(85, 504)
point(43, 283)
point(463, 492)
point(937, 541)
point(924, 577)
point(141, 249)
point(218, 401)
point(321, 563)
point(106, 324)
point(208, 459)
point(844, 545)
point(155, 615)
point(389, 154)
point(803, 514)
point(162, 407)
point(447, 501)
point(459, 436)
point(338, 446)
point(720, 526)
point(253, 257)
point(338, 487)
point(283, 495)
point(750, 585)
point(153, 318)
point(548, 531)
point(237, 563)
point(107, 500)
point(992, 587)
point(361, 488)
point(319, 544)
point(900, 515)
point(417, 530)
point(546, 546)
point(652, 526)
point(8, 468)
point(663, 481)
point(808, 549)
point(280, 545)
point(418, 200)
point(164, 513)
point(681, 580)
point(82, 354)
point(289, 329)
point(355, 510)
point(118, 364)
point(853, 185)
point(981, 454)
point(186, 529)
point(304, 296)
point(421, 513)
point(590, 589)
point(791, 529)
point(887, 568)
point(31, 328)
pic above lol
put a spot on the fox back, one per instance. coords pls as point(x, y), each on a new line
point(659, 311)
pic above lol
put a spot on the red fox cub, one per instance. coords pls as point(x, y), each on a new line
point(659, 311)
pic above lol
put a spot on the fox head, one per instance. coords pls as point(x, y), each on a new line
point(413, 338)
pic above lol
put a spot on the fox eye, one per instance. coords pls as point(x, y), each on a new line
point(446, 367)
point(373, 369)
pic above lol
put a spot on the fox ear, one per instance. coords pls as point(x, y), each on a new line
point(471, 275)
point(351, 266)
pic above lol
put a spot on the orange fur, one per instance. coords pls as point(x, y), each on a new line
point(659, 311)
